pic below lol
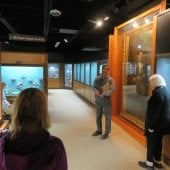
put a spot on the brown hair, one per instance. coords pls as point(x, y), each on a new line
point(30, 111)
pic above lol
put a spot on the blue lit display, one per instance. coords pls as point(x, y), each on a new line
point(18, 78)
point(163, 68)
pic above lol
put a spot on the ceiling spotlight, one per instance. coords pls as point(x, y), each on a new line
point(106, 18)
point(57, 44)
point(55, 12)
point(65, 40)
point(6, 42)
point(99, 23)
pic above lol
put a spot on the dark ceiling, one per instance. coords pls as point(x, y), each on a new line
point(39, 25)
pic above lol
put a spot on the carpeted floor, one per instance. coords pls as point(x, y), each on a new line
point(73, 120)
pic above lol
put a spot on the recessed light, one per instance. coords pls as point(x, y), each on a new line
point(57, 44)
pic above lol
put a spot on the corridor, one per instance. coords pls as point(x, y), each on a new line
point(73, 120)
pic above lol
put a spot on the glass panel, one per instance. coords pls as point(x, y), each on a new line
point(82, 73)
point(78, 72)
point(136, 69)
point(0, 92)
point(53, 71)
point(75, 71)
point(18, 78)
point(87, 73)
point(136, 40)
point(163, 68)
point(93, 72)
point(68, 75)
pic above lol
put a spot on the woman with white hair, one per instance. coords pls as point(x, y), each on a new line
point(157, 122)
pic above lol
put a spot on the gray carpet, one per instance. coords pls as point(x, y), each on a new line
point(73, 120)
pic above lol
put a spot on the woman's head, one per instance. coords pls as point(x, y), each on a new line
point(30, 111)
point(156, 80)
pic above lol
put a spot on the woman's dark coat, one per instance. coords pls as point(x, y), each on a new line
point(158, 111)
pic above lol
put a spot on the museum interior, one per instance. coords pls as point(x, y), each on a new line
point(135, 44)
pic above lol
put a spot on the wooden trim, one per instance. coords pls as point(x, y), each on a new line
point(153, 46)
point(161, 7)
point(131, 130)
point(116, 56)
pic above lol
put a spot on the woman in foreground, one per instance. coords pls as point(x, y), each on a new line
point(28, 145)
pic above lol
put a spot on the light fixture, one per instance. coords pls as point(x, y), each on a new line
point(65, 40)
point(139, 46)
point(99, 23)
point(147, 21)
point(57, 44)
point(6, 42)
point(135, 25)
point(106, 18)
point(55, 12)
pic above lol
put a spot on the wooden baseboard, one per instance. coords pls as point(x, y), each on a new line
point(131, 130)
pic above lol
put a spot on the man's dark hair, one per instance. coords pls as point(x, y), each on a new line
point(105, 66)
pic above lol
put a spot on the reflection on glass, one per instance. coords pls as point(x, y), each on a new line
point(78, 72)
point(93, 72)
point(18, 78)
point(130, 68)
point(100, 68)
point(82, 73)
point(75, 72)
point(136, 69)
point(68, 75)
point(87, 73)
point(53, 71)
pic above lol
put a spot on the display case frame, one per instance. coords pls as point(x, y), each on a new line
point(118, 50)
point(24, 59)
point(19, 77)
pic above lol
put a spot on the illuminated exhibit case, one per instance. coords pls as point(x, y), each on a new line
point(18, 78)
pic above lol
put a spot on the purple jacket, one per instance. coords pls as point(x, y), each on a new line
point(32, 151)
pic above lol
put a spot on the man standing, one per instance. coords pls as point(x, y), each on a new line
point(103, 88)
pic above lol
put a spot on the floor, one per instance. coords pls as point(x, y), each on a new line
point(73, 120)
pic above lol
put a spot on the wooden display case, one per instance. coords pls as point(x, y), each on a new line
point(133, 42)
point(24, 60)
point(30, 61)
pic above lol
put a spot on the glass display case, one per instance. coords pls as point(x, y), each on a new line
point(82, 72)
point(68, 76)
point(162, 68)
point(17, 78)
point(93, 72)
point(87, 73)
point(75, 72)
point(78, 72)
point(53, 71)
point(131, 57)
